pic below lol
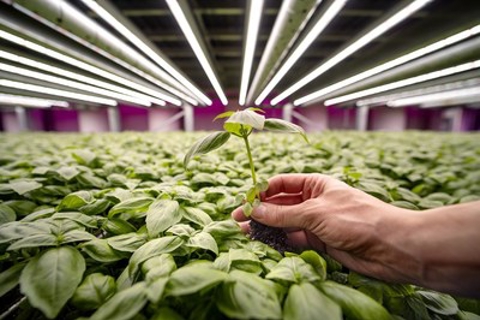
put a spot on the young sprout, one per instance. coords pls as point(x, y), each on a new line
point(241, 124)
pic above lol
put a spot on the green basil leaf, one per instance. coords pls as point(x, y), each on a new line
point(68, 173)
point(161, 215)
point(78, 217)
point(6, 214)
point(151, 249)
point(180, 230)
point(165, 313)
point(316, 261)
point(304, 301)
point(76, 200)
point(101, 251)
point(225, 114)
point(192, 279)
point(35, 241)
point(246, 118)
point(95, 208)
point(279, 125)
point(50, 279)
point(75, 236)
point(131, 208)
point(123, 305)
point(211, 142)
point(203, 240)
point(21, 207)
point(248, 296)
point(83, 156)
point(439, 302)
point(222, 229)
point(128, 242)
point(196, 216)
point(293, 270)
point(354, 304)
point(23, 186)
point(156, 288)
point(18, 229)
point(158, 266)
point(118, 226)
point(10, 278)
point(94, 291)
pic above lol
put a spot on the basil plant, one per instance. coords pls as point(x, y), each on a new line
point(241, 124)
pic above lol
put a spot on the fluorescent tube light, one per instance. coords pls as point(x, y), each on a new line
point(105, 15)
point(352, 48)
point(434, 97)
point(255, 16)
point(390, 64)
point(197, 49)
point(406, 82)
point(55, 92)
point(73, 84)
point(321, 24)
point(379, 100)
point(15, 100)
point(88, 67)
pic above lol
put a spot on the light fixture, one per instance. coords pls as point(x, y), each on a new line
point(390, 64)
point(321, 24)
point(73, 84)
point(406, 82)
point(55, 92)
point(110, 19)
point(254, 18)
point(355, 46)
point(16, 100)
point(88, 67)
point(196, 47)
point(435, 97)
point(381, 100)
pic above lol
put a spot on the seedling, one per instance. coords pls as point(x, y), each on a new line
point(241, 124)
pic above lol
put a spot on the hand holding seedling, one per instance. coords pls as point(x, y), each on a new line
point(431, 248)
point(241, 124)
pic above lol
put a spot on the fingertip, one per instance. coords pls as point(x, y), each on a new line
point(238, 215)
point(245, 226)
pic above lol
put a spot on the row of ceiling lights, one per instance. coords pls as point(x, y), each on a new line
point(150, 96)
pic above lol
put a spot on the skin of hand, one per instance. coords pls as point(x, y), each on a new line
point(436, 248)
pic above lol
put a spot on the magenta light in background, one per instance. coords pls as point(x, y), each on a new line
point(133, 118)
point(341, 118)
point(64, 120)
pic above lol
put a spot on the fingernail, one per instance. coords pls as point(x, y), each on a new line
point(259, 212)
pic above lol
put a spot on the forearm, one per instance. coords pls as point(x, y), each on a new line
point(446, 241)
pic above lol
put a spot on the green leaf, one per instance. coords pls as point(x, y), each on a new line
point(131, 208)
point(156, 288)
point(78, 217)
point(21, 187)
point(180, 230)
point(128, 242)
point(203, 240)
point(222, 229)
point(101, 251)
point(354, 304)
point(76, 236)
point(124, 305)
point(76, 200)
point(84, 156)
point(9, 278)
point(17, 229)
point(6, 214)
point(225, 114)
point(158, 266)
point(211, 142)
point(117, 226)
point(256, 109)
point(304, 301)
point(316, 261)
point(161, 215)
point(192, 279)
point(94, 291)
point(151, 249)
point(279, 125)
point(293, 270)
point(196, 216)
point(247, 209)
point(439, 302)
point(68, 173)
point(49, 280)
point(21, 207)
point(247, 118)
point(97, 207)
point(35, 241)
point(248, 296)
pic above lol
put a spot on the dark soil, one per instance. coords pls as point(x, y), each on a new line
point(274, 237)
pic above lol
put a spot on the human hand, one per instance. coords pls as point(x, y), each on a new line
point(320, 212)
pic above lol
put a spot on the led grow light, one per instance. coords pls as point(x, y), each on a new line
point(255, 15)
point(197, 49)
point(435, 97)
point(72, 84)
point(85, 66)
point(406, 82)
point(105, 15)
point(16, 100)
point(321, 24)
point(55, 92)
point(390, 64)
point(352, 48)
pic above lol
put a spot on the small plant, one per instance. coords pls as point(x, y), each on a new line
point(241, 124)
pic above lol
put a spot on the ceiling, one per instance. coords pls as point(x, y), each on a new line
point(220, 26)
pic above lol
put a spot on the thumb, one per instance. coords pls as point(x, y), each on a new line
point(280, 216)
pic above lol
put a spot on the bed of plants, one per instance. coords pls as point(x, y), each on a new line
point(111, 226)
